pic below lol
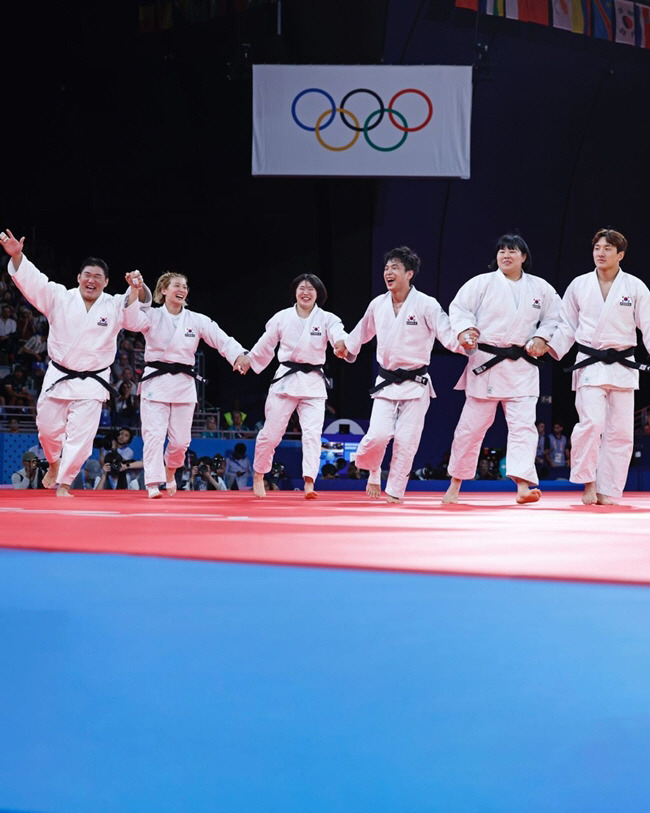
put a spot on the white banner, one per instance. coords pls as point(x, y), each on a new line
point(365, 120)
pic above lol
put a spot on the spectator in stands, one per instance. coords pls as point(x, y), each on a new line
point(329, 471)
point(125, 411)
point(238, 426)
point(8, 333)
point(34, 349)
point(117, 367)
point(483, 470)
point(239, 469)
point(15, 390)
point(211, 428)
point(128, 377)
point(30, 476)
point(89, 477)
point(540, 454)
point(557, 453)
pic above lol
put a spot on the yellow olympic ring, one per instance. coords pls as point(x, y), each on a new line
point(345, 146)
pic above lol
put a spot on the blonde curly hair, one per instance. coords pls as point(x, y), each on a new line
point(163, 282)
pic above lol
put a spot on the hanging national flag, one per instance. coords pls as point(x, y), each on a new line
point(602, 28)
point(496, 8)
point(624, 22)
point(472, 5)
point(528, 11)
point(572, 15)
point(643, 26)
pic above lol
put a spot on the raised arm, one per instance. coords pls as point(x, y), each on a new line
point(13, 247)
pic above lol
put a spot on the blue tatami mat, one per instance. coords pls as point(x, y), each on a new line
point(142, 684)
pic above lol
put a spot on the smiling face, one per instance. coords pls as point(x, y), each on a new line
point(606, 256)
point(175, 293)
point(510, 261)
point(306, 296)
point(92, 281)
point(397, 278)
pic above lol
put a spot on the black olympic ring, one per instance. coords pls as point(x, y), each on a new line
point(379, 102)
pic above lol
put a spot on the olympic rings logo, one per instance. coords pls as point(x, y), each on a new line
point(373, 120)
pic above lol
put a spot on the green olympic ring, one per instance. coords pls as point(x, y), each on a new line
point(366, 128)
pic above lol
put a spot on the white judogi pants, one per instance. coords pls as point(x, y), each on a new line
point(66, 430)
point(159, 421)
point(277, 411)
point(603, 440)
point(477, 417)
point(401, 421)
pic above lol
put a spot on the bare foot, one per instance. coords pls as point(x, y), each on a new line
point(153, 492)
point(49, 480)
point(63, 491)
point(390, 498)
point(603, 499)
point(170, 481)
point(589, 496)
point(258, 485)
point(451, 495)
point(310, 494)
point(373, 490)
point(528, 495)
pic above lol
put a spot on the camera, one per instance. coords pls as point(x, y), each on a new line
point(205, 466)
point(115, 461)
point(105, 441)
point(277, 470)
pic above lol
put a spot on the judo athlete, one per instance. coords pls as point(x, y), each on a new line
point(302, 332)
point(168, 386)
point(406, 323)
point(82, 343)
point(515, 314)
point(601, 312)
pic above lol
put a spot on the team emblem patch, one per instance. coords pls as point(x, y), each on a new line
point(537, 304)
point(189, 333)
point(411, 320)
point(103, 321)
point(315, 331)
point(626, 301)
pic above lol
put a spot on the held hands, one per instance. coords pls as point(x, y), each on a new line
point(11, 245)
point(340, 350)
point(242, 364)
point(468, 338)
point(134, 279)
point(536, 347)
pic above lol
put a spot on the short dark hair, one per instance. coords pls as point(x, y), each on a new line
point(95, 261)
point(513, 241)
point(312, 279)
point(406, 256)
point(614, 238)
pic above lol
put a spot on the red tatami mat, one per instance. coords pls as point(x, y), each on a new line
point(558, 538)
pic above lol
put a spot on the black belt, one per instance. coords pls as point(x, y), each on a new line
point(171, 367)
point(70, 374)
point(399, 376)
point(502, 353)
point(300, 367)
point(609, 356)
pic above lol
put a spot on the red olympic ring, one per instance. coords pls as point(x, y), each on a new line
point(391, 104)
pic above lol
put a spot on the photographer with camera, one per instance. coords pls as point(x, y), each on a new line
point(119, 468)
point(31, 474)
point(207, 475)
